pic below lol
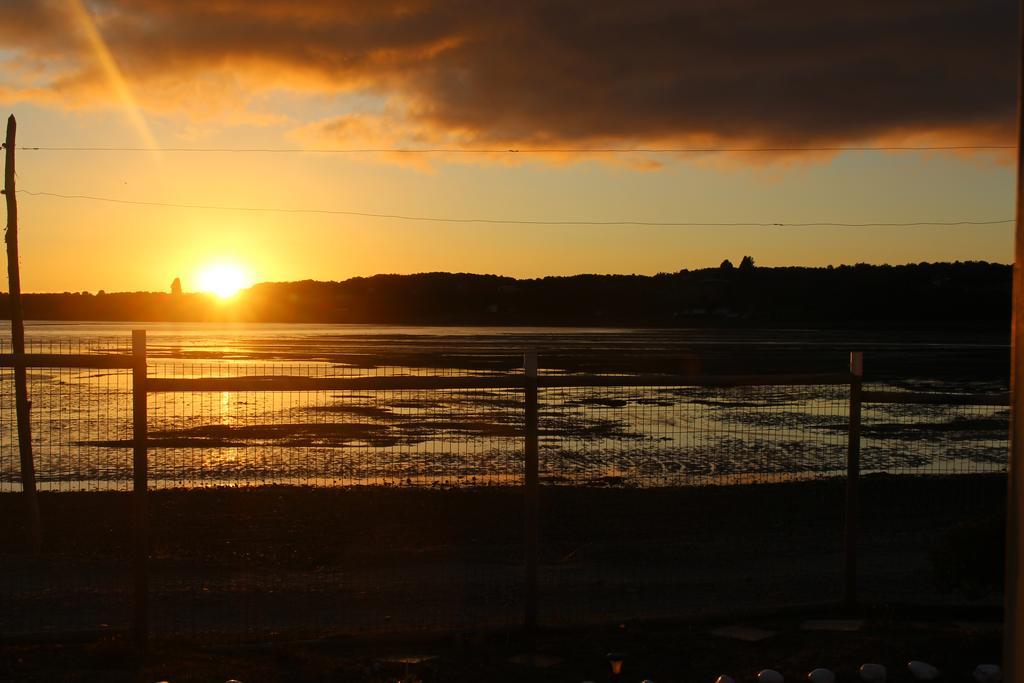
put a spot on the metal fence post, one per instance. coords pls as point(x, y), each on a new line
point(853, 480)
point(140, 486)
point(532, 481)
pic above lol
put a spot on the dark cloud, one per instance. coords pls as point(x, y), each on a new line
point(577, 71)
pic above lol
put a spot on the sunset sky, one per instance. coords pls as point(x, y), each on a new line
point(577, 74)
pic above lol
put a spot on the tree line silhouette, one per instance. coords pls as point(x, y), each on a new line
point(964, 294)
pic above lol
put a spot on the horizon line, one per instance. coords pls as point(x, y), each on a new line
point(527, 278)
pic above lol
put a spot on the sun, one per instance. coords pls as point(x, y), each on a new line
point(222, 279)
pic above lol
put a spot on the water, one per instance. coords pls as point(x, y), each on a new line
point(634, 436)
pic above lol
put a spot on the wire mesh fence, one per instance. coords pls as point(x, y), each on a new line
point(935, 438)
point(411, 525)
point(651, 509)
point(331, 437)
point(81, 580)
point(76, 412)
point(933, 496)
point(327, 510)
point(692, 436)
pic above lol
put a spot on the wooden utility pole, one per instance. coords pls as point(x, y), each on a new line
point(1013, 637)
point(22, 406)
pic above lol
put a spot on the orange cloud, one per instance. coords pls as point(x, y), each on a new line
point(579, 73)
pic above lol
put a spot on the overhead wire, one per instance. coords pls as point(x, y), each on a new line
point(514, 221)
point(525, 151)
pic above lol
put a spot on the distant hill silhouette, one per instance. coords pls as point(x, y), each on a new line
point(962, 294)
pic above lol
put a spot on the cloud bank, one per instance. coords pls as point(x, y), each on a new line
point(562, 73)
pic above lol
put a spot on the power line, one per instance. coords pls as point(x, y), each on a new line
point(546, 150)
point(509, 221)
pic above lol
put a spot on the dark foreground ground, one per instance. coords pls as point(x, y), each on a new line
point(690, 652)
point(287, 564)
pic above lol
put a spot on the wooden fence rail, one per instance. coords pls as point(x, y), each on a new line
point(60, 360)
point(507, 381)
